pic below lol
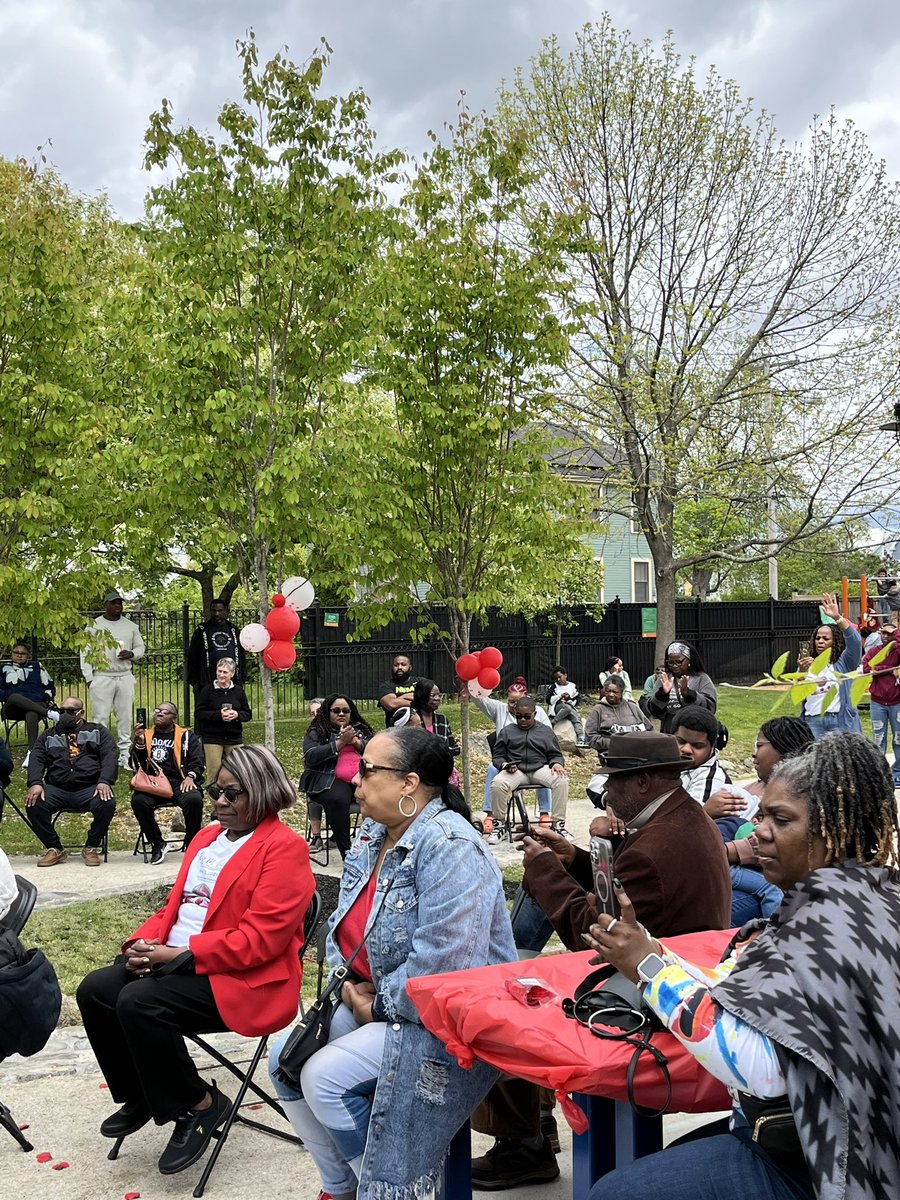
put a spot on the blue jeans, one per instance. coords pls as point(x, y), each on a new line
point(722, 1167)
point(543, 794)
point(531, 929)
point(884, 715)
point(819, 726)
point(751, 895)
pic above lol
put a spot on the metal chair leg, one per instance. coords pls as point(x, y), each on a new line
point(11, 1126)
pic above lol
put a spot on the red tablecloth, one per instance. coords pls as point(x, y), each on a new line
point(476, 1017)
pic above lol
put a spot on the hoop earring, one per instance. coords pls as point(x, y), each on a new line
point(407, 796)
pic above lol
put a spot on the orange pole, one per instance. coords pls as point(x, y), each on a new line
point(863, 597)
point(845, 597)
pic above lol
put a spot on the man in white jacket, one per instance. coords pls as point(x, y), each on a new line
point(118, 641)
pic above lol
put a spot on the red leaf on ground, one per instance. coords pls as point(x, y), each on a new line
point(60, 1166)
point(25, 1126)
point(132, 1196)
point(103, 1085)
point(44, 1156)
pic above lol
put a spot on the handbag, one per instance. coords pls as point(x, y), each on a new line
point(611, 1006)
point(312, 1031)
point(153, 782)
point(772, 1126)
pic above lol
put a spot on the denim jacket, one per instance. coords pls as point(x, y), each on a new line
point(445, 911)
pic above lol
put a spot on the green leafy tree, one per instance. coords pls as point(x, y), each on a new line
point(468, 503)
point(260, 253)
point(735, 298)
point(63, 264)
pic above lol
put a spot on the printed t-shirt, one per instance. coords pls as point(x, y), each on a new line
point(199, 884)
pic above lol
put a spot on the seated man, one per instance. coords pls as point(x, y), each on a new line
point(502, 713)
point(562, 703)
point(179, 754)
point(72, 768)
point(528, 753)
point(665, 850)
point(696, 733)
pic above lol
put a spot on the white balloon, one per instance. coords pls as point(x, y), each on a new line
point(476, 691)
point(298, 593)
point(255, 638)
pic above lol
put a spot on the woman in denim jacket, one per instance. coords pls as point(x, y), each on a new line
point(377, 1107)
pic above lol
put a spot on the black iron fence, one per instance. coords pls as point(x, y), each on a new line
point(737, 641)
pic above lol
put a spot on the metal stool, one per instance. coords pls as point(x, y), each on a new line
point(516, 812)
point(326, 832)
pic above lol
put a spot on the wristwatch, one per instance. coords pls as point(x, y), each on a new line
point(648, 968)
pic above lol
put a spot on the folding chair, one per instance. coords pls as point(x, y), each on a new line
point(310, 921)
point(326, 833)
point(104, 845)
point(14, 920)
point(174, 838)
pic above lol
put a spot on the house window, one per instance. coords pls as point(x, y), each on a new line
point(640, 581)
point(635, 522)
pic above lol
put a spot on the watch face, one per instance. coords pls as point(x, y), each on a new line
point(650, 967)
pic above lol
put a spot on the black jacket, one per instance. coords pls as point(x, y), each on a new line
point(211, 641)
point(208, 719)
point(97, 760)
point(191, 754)
point(530, 749)
point(320, 759)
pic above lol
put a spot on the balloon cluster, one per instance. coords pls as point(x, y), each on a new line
point(480, 671)
point(275, 638)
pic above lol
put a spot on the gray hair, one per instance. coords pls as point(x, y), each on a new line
point(227, 662)
point(263, 778)
point(615, 679)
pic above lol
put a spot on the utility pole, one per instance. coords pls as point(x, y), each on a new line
point(771, 534)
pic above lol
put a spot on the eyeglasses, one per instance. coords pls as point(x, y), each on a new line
point(230, 794)
point(340, 711)
point(527, 716)
point(73, 711)
point(367, 768)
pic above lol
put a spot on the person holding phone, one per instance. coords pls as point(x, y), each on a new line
point(844, 645)
point(178, 753)
point(222, 709)
point(336, 737)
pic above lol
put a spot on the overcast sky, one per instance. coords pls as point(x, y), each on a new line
point(85, 74)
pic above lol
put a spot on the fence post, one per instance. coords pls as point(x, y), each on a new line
point(771, 639)
point(185, 647)
point(526, 627)
point(316, 617)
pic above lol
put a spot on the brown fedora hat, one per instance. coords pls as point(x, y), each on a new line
point(629, 752)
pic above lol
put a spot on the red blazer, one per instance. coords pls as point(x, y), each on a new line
point(253, 929)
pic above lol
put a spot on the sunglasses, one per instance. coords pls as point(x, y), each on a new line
point(367, 768)
point(230, 794)
point(340, 711)
point(524, 716)
point(71, 711)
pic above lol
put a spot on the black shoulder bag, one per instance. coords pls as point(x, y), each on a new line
point(312, 1031)
point(613, 1008)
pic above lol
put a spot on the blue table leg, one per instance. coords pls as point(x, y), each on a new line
point(616, 1135)
point(458, 1168)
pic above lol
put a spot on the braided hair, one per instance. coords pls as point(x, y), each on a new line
point(838, 643)
point(847, 783)
point(787, 735)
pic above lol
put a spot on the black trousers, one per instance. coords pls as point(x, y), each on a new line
point(18, 708)
point(135, 1028)
point(144, 808)
point(58, 800)
point(336, 801)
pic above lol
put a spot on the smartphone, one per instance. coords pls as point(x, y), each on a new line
point(601, 864)
point(141, 717)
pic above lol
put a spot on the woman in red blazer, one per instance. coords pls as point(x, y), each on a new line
point(222, 953)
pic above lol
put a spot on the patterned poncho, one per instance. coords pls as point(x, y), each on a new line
point(823, 983)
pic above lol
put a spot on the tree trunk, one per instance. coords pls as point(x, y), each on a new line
point(261, 562)
point(665, 605)
point(701, 578)
point(460, 630)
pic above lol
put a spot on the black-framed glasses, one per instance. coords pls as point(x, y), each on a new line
point(526, 716)
point(231, 794)
point(340, 711)
point(367, 768)
point(72, 711)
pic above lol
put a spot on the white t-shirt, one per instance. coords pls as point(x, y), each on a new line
point(199, 885)
point(813, 704)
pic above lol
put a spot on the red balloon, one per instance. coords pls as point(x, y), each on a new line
point(491, 657)
point(282, 624)
point(489, 677)
point(278, 601)
point(279, 656)
point(468, 666)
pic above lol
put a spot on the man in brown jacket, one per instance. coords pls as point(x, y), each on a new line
point(670, 859)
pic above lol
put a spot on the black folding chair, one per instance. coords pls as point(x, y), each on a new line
point(15, 919)
point(310, 921)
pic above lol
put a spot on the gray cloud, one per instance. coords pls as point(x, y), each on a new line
point(87, 73)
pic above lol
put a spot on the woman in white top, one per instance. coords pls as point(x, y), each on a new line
point(614, 666)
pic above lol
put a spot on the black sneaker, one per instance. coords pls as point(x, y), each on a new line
point(128, 1119)
point(316, 845)
point(512, 1164)
point(192, 1134)
point(159, 853)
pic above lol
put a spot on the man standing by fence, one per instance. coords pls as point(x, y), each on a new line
point(115, 643)
point(214, 639)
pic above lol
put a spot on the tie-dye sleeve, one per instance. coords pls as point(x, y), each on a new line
point(726, 1046)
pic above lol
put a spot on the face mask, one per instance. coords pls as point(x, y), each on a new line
point(67, 720)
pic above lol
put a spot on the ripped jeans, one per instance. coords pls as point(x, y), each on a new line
point(884, 717)
point(330, 1110)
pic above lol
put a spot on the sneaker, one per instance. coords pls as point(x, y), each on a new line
point(192, 1134)
point(581, 741)
point(128, 1119)
point(316, 845)
point(90, 856)
point(53, 857)
point(25, 761)
point(512, 1164)
point(560, 828)
point(493, 838)
point(159, 853)
point(487, 823)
